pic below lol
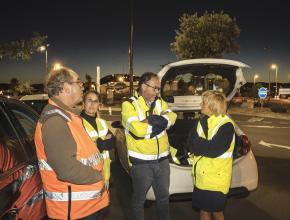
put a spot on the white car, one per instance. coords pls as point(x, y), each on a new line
point(182, 84)
point(36, 101)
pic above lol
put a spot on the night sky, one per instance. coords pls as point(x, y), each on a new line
point(85, 34)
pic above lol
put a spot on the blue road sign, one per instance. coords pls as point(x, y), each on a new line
point(262, 93)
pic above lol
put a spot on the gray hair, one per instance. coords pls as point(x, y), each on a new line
point(55, 80)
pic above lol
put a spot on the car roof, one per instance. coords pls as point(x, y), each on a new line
point(201, 61)
point(34, 97)
point(209, 60)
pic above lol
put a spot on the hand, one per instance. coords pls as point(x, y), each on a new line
point(106, 144)
point(157, 121)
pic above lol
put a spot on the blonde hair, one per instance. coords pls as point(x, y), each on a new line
point(216, 102)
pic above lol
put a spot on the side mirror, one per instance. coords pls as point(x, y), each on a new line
point(116, 124)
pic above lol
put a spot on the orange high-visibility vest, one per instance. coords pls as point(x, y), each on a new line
point(66, 200)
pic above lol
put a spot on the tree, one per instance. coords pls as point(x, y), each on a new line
point(88, 82)
point(22, 49)
point(24, 88)
point(14, 82)
point(88, 78)
point(209, 36)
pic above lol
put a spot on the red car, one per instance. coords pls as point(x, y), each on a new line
point(21, 192)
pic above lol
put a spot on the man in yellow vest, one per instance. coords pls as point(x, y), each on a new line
point(71, 166)
point(146, 117)
point(212, 144)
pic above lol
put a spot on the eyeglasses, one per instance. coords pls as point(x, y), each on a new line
point(156, 89)
point(92, 101)
point(80, 83)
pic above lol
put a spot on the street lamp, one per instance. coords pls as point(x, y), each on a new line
point(42, 49)
point(274, 66)
point(57, 66)
point(256, 76)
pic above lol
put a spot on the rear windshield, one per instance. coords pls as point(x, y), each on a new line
point(197, 78)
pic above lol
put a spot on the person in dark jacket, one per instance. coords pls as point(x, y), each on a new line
point(212, 144)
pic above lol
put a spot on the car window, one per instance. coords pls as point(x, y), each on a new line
point(12, 159)
point(26, 118)
point(11, 151)
point(27, 121)
point(37, 105)
point(195, 79)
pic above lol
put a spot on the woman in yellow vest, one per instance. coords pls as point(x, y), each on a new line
point(97, 129)
point(211, 144)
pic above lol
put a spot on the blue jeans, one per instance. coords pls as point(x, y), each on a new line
point(152, 174)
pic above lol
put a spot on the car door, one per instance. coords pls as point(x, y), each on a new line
point(20, 180)
point(13, 159)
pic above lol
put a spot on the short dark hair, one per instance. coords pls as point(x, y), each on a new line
point(55, 79)
point(93, 92)
point(145, 78)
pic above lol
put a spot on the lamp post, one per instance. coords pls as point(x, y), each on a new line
point(269, 86)
point(131, 36)
point(256, 76)
point(42, 49)
point(274, 66)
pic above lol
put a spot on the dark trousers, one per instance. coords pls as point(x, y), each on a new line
point(95, 216)
point(146, 175)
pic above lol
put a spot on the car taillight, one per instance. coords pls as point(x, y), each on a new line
point(246, 145)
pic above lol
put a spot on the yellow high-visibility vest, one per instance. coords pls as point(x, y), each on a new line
point(213, 173)
point(101, 133)
point(139, 143)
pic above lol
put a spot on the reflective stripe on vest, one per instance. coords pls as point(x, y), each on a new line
point(214, 131)
point(58, 112)
point(149, 128)
point(43, 165)
point(58, 192)
point(93, 133)
point(146, 156)
point(226, 155)
point(214, 174)
point(141, 116)
point(92, 161)
point(159, 111)
point(28, 172)
point(35, 198)
point(158, 106)
point(105, 154)
point(128, 122)
point(75, 196)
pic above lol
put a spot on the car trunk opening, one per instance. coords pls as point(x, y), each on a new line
point(177, 134)
point(183, 85)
